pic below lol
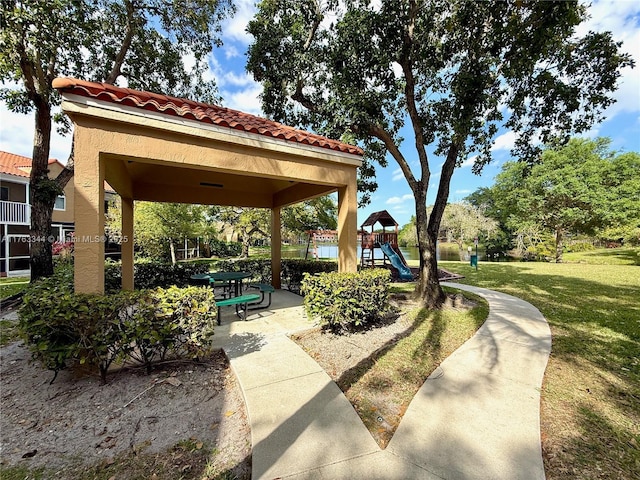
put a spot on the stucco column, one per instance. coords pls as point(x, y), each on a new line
point(88, 180)
point(127, 243)
point(276, 247)
point(347, 226)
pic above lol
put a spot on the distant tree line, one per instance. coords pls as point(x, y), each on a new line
point(581, 189)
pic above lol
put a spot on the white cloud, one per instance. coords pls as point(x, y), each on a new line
point(399, 200)
point(246, 100)
point(235, 28)
point(400, 210)
point(469, 161)
point(230, 51)
point(397, 70)
point(235, 79)
point(397, 175)
point(506, 141)
point(620, 17)
point(463, 191)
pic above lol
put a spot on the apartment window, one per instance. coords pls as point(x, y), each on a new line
point(4, 194)
point(61, 203)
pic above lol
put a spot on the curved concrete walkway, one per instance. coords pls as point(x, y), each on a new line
point(476, 417)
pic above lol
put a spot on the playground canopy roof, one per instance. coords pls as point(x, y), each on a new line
point(383, 218)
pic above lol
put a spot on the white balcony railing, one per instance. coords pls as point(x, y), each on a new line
point(15, 212)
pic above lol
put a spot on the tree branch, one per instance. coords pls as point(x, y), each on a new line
point(302, 99)
point(27, 67)
point(443, 189)
point(39, 72)
point(409, 89)
point(314, 27)
point(298, 96)
point(124, 48)
point(67, 172)
point(381, 134)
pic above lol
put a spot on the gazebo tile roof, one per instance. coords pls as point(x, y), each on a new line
point(202, 112)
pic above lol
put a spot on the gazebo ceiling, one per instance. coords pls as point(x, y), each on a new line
point(158, 182)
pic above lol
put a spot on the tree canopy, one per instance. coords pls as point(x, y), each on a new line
point(447, 74)
point(580, 188)
point(463, 222)
point(315, 214)
point(155, 45)
point(160, 227)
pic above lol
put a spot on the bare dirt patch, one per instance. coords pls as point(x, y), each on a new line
point(76, 421)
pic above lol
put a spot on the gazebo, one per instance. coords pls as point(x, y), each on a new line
point(166, 149)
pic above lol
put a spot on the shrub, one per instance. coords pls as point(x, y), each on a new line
point(61, 327)
point(156, 274)
point(541, 252)
point(191, 312)
point(223, 249)
point(149, 274)
point(580, 247)
point(293, 271)
point(113, 276)
point(64, 249)
point(341, 300)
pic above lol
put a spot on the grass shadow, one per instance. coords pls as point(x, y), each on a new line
point(354, 374)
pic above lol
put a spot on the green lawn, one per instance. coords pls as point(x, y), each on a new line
point(605, 256)
point(591, 392)
point(11, 286)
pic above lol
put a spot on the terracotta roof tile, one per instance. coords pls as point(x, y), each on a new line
point(12, 164)
point(202, 112)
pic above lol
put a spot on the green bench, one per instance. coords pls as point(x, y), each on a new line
point(237, 301)
point(263, 288)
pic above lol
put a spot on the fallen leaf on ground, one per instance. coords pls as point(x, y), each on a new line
point(173, 381)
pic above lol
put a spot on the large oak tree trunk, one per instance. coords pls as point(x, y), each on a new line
point(43, 194)
point(428, 287)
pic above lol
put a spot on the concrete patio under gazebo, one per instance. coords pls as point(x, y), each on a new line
point(159, 148)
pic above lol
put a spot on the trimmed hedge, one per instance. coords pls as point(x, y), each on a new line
point(61, 327)
point(342, 300)
point(292, 269)
point(221, 248)
point(148, 274)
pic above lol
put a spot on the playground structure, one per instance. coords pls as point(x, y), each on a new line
point(387, 242)
point(370, 241)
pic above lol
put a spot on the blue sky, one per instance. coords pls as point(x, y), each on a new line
point(240, 91)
